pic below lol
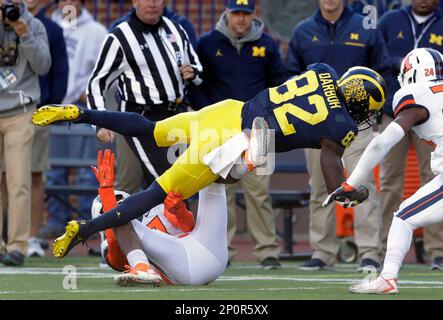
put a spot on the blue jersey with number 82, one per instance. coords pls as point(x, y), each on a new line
point(303, 111)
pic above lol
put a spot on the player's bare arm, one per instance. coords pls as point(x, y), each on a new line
point(352, 191)
point(410, 117)
point(383, 143)
point(331, 164)
point(127, 238)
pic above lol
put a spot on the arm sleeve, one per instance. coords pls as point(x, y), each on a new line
point(107, 68)
point(375, 152)
point(108, 199)
point(115, 257)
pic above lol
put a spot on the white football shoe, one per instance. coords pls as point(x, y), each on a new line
point(378, 286)
point(34, 248)
point(256, 154)
point(141, 274)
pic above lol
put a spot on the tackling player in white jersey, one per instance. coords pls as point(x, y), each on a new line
point(417, 106)
point(167, 246)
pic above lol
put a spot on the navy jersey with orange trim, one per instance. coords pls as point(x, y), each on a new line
point(303, 111)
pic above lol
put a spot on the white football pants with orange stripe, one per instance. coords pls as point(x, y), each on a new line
point(423, 208)
point(199, 257)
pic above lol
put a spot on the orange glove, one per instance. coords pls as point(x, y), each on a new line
point(104, 172)
point(177, 213)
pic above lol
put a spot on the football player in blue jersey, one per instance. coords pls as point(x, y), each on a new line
point(312, 110)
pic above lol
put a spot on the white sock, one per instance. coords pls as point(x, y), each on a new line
point(239, 169)
point(137, 256)
point(399, 242)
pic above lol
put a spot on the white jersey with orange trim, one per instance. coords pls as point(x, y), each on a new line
point(428, 95)
point(195, 258)
point(156, 220)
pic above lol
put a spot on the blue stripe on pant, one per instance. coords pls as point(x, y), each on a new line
point(421, 204)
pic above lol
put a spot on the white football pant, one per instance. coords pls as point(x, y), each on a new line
point(199, 257)
point(423, 208)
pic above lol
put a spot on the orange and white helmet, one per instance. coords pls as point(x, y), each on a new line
point(421, 65)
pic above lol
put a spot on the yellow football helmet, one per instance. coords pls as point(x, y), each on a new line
point(364, 91)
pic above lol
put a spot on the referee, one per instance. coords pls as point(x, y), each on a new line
point(152, 60)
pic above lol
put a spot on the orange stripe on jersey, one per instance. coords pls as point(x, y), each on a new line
point(437, 89)
point(404, 104)
point(157, 224)
point(429, 142)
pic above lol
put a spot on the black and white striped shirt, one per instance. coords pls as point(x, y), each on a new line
point(146, 61)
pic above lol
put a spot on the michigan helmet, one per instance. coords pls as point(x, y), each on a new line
point(420, 65)
point(97, 206)
point(364, 91)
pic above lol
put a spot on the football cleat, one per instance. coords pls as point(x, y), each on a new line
point(141, 274)
point(63, 244)
point(378, 286)
point(49, 114)
point(256, 154)
point(34, 248)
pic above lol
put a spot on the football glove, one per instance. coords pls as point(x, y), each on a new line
point(177, 213)
point(347, 196)
point(174, 203)
point(104, 172)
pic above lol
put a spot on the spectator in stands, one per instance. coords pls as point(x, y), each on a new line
point(83, 37)
point(381, 5)
point(153, 60)
point(25, 56)
point(336, 36)
point(414, 26)
point(53, 89)
point(130, 172)
point(239, 60)
point(171, 15)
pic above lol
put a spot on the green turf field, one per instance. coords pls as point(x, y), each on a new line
point(43, 279)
